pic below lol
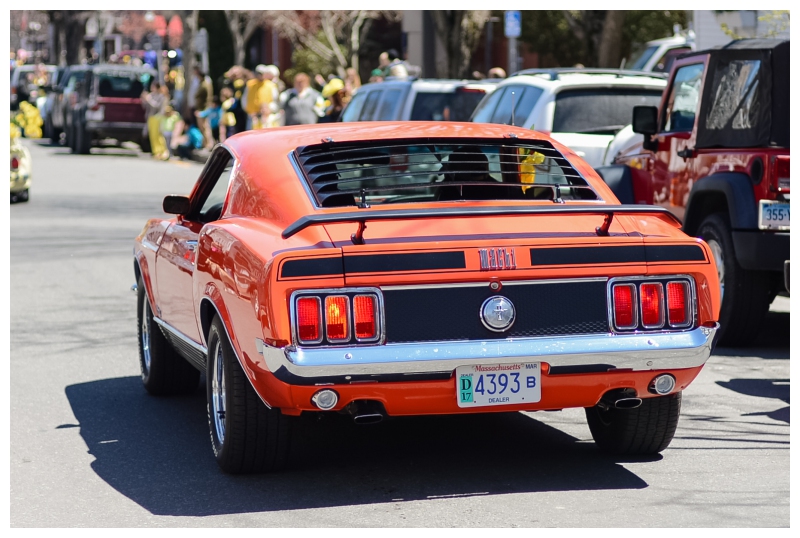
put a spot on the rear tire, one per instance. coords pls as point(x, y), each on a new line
point(648, 429)
point(164, 371)
point(746, 295)
point(246, 435)
point(83, 141)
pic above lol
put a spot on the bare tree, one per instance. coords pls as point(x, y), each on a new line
point(460, 32)
point(601, 33)
point(242, 25)
point(334, 36)
point(609, 50)
point(190, 21)
point(70, 27)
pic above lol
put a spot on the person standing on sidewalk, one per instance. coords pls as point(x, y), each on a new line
point(153, 103)
point(302, 104)
point(259, 94)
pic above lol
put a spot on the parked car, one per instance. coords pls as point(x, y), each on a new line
point(105, 102)
point(417, 100)
point(716, 154)
point(23, 88)
point(658, 55)
point(317, 269)
point(20, 168)
point(581, 108)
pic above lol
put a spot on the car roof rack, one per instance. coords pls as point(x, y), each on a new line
point(555, 72)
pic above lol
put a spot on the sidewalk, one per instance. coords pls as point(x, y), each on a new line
point(201, 155)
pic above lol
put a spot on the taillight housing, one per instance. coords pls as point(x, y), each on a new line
point(779, 178)
point(662, 303)
point(344, 316)
point(14, 163)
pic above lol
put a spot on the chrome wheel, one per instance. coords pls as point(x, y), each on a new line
point(218, 393)
point(146, 334)
point(719, 259)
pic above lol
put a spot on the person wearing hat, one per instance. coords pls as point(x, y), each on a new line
point(259, 94)
point(334, 92)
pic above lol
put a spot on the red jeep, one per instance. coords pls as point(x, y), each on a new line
point(716, 154)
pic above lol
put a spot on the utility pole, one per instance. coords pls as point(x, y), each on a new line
point(513, 29)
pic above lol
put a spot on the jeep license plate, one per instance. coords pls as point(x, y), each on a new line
point(773, 215)
point(482, 385)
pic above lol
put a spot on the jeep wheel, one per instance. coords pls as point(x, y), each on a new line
point(246, 435)
point(746, 295)
point(164, 371)
point(647, 429)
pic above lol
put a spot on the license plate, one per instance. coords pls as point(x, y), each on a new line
point(480, 385)
point(773, 215)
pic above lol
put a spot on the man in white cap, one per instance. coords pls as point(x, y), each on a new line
point(260, 93)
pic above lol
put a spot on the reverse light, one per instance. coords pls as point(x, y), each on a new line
point(337, 317)
point(309, 326)
point(364, 315)
point(651, 294)
point(625, 306)
point(678, 304)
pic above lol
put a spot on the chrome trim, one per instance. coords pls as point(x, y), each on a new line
point(378, 317)
point(482, 314)
point(631, 279)
point(359, 290)
point(488, 282)
point(191, 343)
point(689, 306)
point(661, 312)
point(639, 352)
point(296, 335)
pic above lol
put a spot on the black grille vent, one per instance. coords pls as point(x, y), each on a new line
point(543, 309)
point(342, 174)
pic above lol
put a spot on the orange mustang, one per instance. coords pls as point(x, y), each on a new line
point(387, 269)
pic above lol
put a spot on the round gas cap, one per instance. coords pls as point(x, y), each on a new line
point(498, 313)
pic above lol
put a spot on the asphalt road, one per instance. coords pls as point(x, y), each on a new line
point(89, 448)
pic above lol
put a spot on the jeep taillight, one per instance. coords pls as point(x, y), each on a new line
point(309, 326)
point(14, 163)
point(651, 303)
point(337, 316)
point(779, 178)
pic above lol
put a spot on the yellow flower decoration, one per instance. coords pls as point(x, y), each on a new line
point(527, 167)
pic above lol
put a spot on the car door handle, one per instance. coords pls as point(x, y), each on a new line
point(687, 153)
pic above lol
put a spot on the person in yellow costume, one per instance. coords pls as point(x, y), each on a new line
point(259, 95)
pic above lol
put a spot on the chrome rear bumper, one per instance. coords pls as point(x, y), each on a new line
point(658, 351)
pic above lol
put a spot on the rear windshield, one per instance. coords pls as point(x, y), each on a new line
point(446, 106)
point(122, 84)
point(599, 111)
point(400, 171)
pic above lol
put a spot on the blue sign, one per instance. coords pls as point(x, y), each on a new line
point(513, 23)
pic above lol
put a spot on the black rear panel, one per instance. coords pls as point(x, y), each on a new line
point(543, 309)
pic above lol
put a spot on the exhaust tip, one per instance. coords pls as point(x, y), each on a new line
point(372, 418)
point(628, 403)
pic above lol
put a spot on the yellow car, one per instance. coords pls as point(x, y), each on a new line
point(20, 168)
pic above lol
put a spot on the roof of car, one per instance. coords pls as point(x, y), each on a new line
point(429, 82)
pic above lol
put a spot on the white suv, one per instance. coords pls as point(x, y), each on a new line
point(417, 100)
point(581, 108)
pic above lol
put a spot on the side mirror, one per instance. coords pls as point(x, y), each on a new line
point(645, 120)
point(175, 204)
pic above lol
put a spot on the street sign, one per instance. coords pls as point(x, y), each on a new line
point(513, 23)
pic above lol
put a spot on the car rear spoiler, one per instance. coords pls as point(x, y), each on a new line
point(361, 217)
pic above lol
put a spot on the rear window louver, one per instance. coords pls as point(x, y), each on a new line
point(394, 171)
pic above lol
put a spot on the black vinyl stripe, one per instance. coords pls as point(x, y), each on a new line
point(616, 254)
point(311, 267)
point(383, 263)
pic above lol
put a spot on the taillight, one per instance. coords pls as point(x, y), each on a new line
point(780, 174)
point(14, 163)
point(309, 327)
point(337, 316)
point(678, 304)
point(364, 313)
point(625, 306)
point(652, 305)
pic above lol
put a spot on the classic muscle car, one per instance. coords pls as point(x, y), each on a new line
point(390, 269)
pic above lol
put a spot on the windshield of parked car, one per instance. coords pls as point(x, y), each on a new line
point(121, 84)
point(643, 56)
point(599, 110)
point(446, 106)
point(465, 169)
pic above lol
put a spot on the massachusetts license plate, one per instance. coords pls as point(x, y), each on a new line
point(773, 215)
point(481, 385)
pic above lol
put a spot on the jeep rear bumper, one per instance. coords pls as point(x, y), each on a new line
point(761, 251)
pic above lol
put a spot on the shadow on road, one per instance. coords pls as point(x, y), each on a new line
point(156, 452)
point(772, 341)
point(763, 388)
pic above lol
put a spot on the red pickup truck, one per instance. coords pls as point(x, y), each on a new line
point(716, 154)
